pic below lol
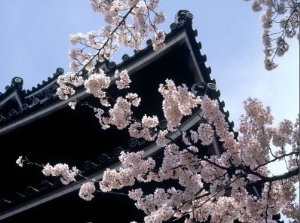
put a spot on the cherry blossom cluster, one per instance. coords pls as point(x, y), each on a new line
point(133, 167)
point(66, 174)
point(191, 170)
point(208, 187)
point(145, 129)
point(87, 190)
point(177, 102)
point(214, 186)
point(206, 133)
point(19, 161)
point(249, 154)
point(213, 115)
point(119, 115)
point(158, 40)
point(285, 15)
point(67, 83)
point(96, 83)
point(143, 17)
point(124, 79)
point(128, 23)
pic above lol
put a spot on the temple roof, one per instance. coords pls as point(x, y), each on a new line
point(16, 103)
point(30, 119)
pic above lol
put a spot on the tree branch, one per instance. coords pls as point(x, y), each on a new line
point(274, 178)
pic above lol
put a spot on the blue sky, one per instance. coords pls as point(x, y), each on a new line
point(34, 42)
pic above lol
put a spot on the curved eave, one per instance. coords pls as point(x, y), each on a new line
point(139, 61)
point(13, 94)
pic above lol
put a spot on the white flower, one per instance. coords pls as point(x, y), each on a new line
point(124, 80)
point(72, 105)
point(97, 83)
point(20, 161)
point(67, 175)
point(86, 191)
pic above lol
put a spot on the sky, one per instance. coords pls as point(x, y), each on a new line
point(34, 42)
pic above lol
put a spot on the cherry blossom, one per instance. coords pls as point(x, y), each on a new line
point(67, 175)
point(19, 161)
point(280, 20)
point(124, 79)
point(178, 102)
point(209, 188)
point(96, 83)
point(66, 82)
point(205, 133)
point(86, 191)
point(234, 183)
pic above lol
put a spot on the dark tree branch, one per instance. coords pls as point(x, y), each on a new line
point(274, 178)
